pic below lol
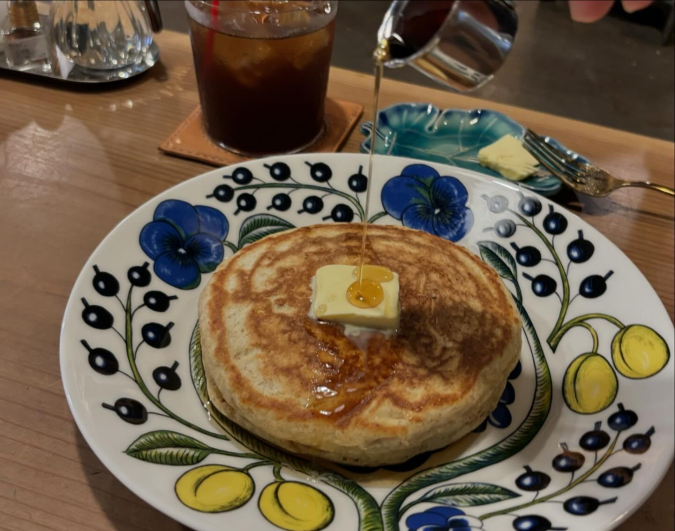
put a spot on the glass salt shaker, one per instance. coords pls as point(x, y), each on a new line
point(25, 44)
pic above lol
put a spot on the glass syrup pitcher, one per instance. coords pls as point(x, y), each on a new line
point(459, 43)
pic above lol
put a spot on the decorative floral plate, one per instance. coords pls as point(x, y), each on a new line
point(452, 136)
point(583, 432)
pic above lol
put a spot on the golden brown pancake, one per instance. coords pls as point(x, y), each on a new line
point(272, 369)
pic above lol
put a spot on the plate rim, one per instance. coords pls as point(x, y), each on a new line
point(176, 514)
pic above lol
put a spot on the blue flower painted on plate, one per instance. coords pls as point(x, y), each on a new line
point(421, 199)
point(442, 519)
point(451, 136)
point(184, 241)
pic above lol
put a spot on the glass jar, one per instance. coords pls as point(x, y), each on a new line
point(101, 35)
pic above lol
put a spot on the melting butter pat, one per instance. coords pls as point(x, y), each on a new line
point(329, 300)
point(508, 157)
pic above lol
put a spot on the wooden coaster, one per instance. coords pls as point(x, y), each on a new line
point(190, 140)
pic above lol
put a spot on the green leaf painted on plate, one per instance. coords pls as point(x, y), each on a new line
point(257, 227)
point(499, 258)
point(198, 374)
point(168, 448)
point(197, 365)
point(501, 261)
point(468, 494)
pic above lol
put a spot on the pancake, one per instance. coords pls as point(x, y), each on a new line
point(305, 387)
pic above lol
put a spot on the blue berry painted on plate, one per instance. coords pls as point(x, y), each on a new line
point(279, 171)
point(280, 202)
point(461, 523)
point(580, 250)
point(129, 410)
point(568, 461)
point(223, 193)
point(527, 256)
point(312, 205)
point(529, 206)
point(554, 222)
point(534, 522)
point(167, 378)
point(358, 182)
point(505, 228)
point(360, 469)
point(242, 176)
point(320, 172)
point(96, 316)
point(594, 440)
point(532, 481)
point(104, 283)
point(101, 360)
point(542, 285)
point(341, 214)
point(594, 286)
point(516, 371)
point(583, 505)
point(158, 301)
point(617, 477)
point(411, 464)
point(624, 419)
point(245, 202)
point(481, 427)
point(639, 443)
point(157, 335)
point(500, 417)
point(497, 203)
point(508, 395)
point(139, 276)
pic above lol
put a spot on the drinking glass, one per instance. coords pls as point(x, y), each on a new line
point(262, 71)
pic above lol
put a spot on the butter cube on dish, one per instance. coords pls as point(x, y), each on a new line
point(508, 157)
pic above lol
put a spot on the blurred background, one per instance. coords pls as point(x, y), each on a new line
point(618, 72)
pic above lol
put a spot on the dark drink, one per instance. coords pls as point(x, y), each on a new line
point(421, 19)
point(459, 43)
point(262, 74)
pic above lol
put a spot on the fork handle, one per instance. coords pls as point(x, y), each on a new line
point(652, 186)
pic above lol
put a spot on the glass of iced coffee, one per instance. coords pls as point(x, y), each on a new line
point(262, 71)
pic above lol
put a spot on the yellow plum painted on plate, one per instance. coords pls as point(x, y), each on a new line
point(214, 488)
point(590, 384)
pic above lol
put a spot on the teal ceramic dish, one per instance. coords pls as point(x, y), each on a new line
point(453, 137)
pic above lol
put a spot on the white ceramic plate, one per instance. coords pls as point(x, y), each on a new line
point(582, 435)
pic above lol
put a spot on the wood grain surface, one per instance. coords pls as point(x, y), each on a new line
point(74, 162)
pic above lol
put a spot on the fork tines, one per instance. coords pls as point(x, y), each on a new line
point(558, 163)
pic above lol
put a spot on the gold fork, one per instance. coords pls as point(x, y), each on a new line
point(581, 176)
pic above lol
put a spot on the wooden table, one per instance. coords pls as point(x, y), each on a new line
point(74, 163)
